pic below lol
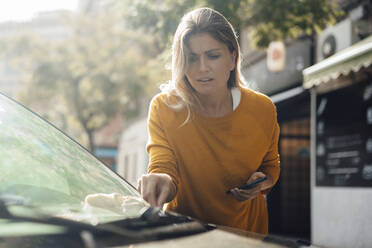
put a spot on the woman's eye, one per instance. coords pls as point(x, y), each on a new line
point(193, 59)
point(213, 56)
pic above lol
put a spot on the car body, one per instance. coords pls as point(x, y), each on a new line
point(54, 193)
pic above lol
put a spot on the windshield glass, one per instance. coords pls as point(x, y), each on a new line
point(43, 168)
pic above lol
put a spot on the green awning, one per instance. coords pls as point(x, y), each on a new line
point(350, 59)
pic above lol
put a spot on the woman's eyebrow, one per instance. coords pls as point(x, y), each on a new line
point(208, 51)
point(213, 50)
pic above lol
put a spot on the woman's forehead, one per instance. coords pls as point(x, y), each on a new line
point(204, 43)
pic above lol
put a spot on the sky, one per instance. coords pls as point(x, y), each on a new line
point(23, 10)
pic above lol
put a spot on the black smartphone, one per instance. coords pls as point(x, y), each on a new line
point(250, 185)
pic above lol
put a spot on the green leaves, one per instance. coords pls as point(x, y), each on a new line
point(287, 19)
point(85, 81)
point(268, 20)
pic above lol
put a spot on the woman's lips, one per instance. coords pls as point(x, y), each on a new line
point(204, 80)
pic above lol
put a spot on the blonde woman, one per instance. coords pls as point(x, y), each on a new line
point(208, 134)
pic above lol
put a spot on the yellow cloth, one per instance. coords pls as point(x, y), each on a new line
point(207, 156)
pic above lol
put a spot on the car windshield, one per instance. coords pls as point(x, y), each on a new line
point(44, 169)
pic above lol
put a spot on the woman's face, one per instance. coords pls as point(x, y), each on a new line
point(209, 64)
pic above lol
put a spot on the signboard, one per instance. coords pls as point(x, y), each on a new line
point(344, 137)
point(296, 58)
point(276, 56)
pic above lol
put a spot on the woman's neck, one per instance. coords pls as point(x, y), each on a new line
point(216, 105)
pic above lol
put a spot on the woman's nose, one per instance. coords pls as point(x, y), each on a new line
point(203, 65)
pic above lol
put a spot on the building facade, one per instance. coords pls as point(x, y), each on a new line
point(341, 147)
point(132, 156)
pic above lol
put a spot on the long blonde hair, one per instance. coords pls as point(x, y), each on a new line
point(202, 20)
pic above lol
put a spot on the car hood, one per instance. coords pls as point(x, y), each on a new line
point(214, 238)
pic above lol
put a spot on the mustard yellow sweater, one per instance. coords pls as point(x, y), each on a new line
point(207, 156)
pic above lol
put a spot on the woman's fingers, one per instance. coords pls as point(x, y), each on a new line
point(263, 185)
point(249, 194)
point(139, 183)
point(163, 195)
point(237, 195)
point(244, 195)
point(166, 191)
point(256, 176)
point(156, 189)
point(148, 189)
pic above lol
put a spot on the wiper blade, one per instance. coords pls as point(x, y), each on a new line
point(41, 218)
point(153, 214)
point(70, 224)
point(153, 224)
point(8, 200)
point(156, 224)
point(173, 227)
point(4, 213)
point(151, 218)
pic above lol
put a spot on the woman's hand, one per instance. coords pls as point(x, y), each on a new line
point(156, 188)
point(249, 194)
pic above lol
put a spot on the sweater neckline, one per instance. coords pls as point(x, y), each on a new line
point(227, 117)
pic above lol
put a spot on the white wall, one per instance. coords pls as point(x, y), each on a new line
point(340, 216)
point(132, 157)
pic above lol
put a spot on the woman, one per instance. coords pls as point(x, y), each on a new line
point(208, 134)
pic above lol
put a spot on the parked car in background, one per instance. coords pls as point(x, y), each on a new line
point(54, 193)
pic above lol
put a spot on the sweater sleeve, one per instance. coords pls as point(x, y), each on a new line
point(161, 155)
point(271, 162)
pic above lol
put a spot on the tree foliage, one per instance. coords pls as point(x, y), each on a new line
point(90, 77)
point(286, 19)
point(161, 18)
point(268, 20)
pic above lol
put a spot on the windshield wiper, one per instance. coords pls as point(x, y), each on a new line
point(6, 201)
point(152, 225)
point(10, 200)
point(4, 213)
point(155, 224)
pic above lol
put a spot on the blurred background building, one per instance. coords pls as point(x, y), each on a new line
point(133, 159)
point(301, 205)
point(340, 85)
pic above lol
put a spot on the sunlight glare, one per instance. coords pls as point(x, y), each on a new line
point(24, 10)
